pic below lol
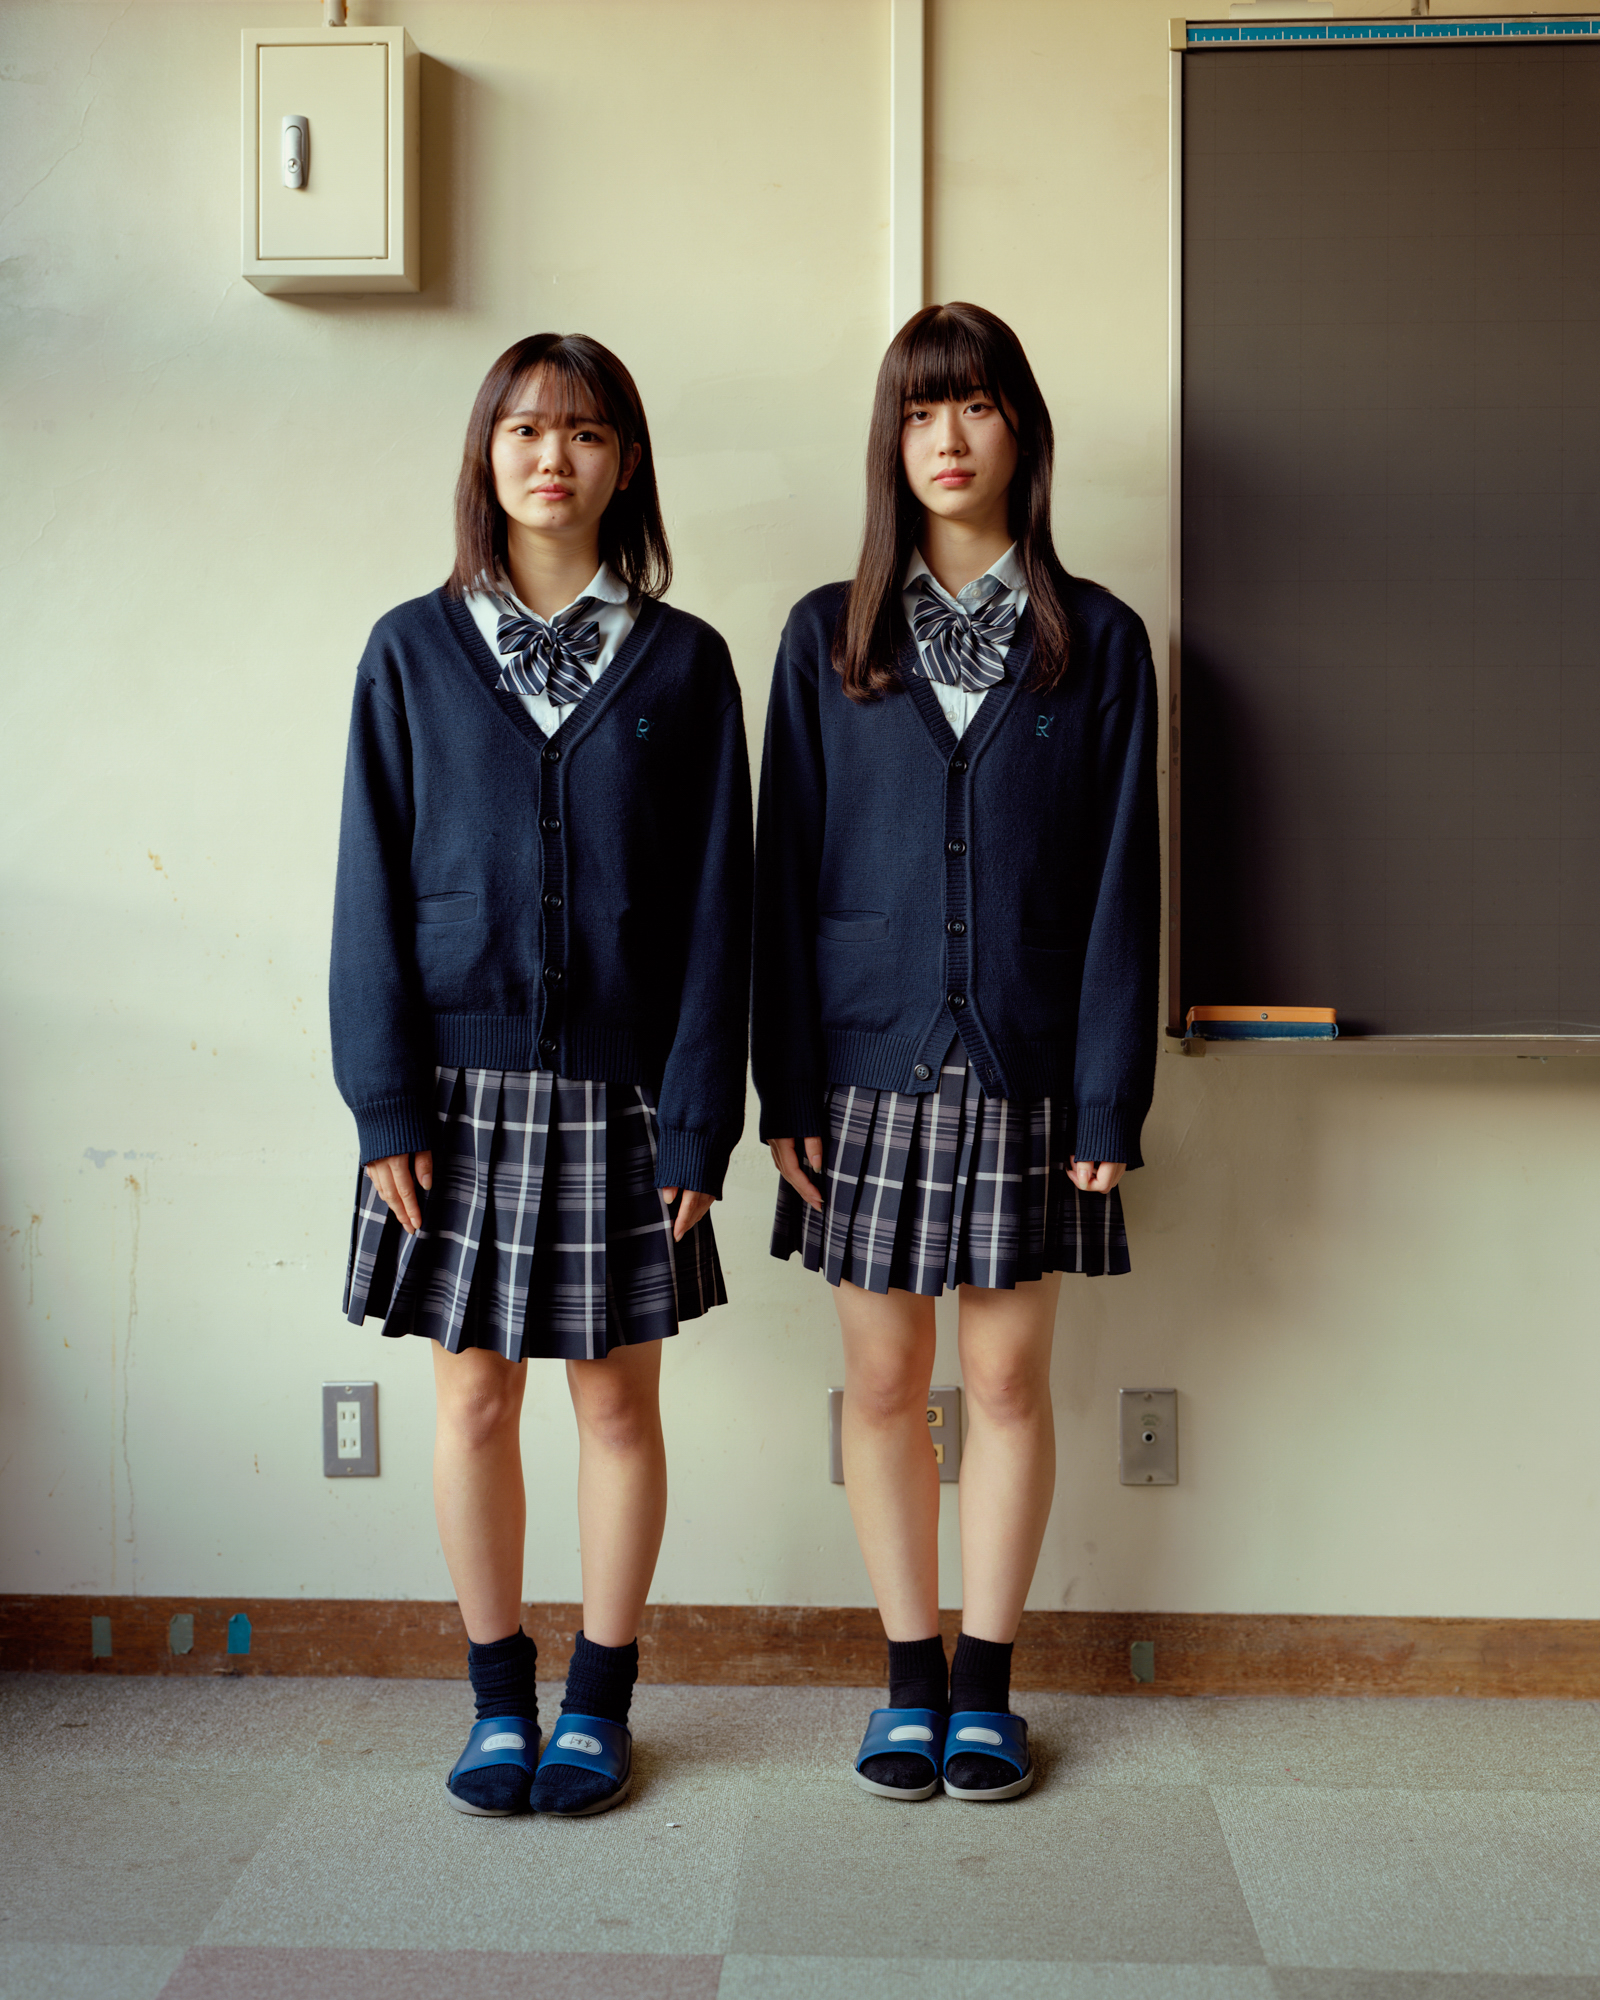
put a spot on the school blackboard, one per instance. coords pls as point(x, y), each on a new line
point(1387, 744)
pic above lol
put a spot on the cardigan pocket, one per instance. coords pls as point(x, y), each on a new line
point(853, 926)
point(456, 906)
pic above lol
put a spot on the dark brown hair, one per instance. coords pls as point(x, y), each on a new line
point(943, 354)
point(578, 378)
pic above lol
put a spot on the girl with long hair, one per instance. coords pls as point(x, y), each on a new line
point(539, 994)
point(957, 920)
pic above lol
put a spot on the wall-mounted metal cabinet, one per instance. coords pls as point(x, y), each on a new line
point(331, 205)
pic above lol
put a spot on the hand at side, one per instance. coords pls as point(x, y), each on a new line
point(393, 1178)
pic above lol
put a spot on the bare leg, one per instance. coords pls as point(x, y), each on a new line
point(1008, 1464)
point(622, 1486)
point(890, 1475)
point(477, 1486)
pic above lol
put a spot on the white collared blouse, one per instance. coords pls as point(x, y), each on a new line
point(960, 705)
point(614, 613)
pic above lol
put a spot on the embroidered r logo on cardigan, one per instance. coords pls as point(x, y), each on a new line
point(642, 729)
point(1042, 726)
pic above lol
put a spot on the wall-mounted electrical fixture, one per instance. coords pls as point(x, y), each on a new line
point(350, 1430)
point(1149, 1432)
point(944, 1428)
point(330, 200)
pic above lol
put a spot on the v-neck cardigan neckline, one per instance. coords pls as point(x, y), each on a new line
point(586, 709)
point(915, 683)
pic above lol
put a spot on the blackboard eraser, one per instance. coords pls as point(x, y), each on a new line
point(1263, 1024)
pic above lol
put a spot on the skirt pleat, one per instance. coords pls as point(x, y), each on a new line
point(544, 1233)
point(947, 1188)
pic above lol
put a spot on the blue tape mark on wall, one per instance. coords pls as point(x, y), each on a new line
point(1281, 32)
point(238, 1633)
point(100, 1638)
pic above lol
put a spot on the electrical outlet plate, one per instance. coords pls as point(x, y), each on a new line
point(1149, 1430)
point(944, 1427)
point(350, 1430)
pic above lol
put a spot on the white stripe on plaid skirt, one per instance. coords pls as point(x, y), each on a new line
point(544, 1233)
point(947, 1188)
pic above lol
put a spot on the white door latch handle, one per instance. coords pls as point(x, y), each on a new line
point(296, 151)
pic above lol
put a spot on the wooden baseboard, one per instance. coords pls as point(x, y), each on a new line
point(1080, 1652)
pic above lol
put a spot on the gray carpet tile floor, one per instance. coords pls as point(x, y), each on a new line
point(258, 1839)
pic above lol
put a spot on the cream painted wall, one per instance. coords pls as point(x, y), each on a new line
point(1373, 1277)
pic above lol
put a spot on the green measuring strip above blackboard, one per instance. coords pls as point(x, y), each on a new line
point(1253, 34)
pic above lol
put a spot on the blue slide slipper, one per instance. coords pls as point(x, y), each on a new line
point(913, 1732)
point(1003, 1737)
point(510, 1741)
point(590, 1743)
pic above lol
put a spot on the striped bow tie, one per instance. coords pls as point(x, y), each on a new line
point(965, 649)
point(549, 658)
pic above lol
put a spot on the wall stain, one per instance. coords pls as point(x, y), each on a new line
point(30, 1245)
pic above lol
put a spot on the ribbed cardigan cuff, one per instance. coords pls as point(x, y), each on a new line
point(391, 1125)
point(695, 1160)
point(792, 1110)
point(1108, 1132)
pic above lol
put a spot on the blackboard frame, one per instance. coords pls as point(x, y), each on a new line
point(1215, 35)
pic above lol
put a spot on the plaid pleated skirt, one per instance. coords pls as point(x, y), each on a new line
point(947, 1188)
point(544, 1233)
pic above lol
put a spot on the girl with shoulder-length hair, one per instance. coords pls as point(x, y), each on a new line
point(957, 922)
point(539, 994)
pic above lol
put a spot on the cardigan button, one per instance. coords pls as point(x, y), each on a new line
point(956, 927)
point(552, 753)
point(958, 763)
point(551, 825)
point(957, 1001)
point(922, 1072)
point(552, 975)
point(956, 847)
point(552, 901)
point(547, 1048)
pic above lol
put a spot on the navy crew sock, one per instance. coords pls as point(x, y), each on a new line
point(600, 1681)
point(917, 1679)
point(980, 1678)
point(502, 1684)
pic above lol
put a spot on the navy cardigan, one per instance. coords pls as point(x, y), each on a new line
point(1005, 889)
point(579, 903)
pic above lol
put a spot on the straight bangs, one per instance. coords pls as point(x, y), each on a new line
point(949, 362)
point(574, 380)
point(944, 354)
point(564, 388)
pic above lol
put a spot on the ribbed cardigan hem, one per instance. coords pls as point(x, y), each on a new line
point(695, 1160)
point(392, 1125)
point(793, 1109)
point(512, 1041)
point(874, 1061)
